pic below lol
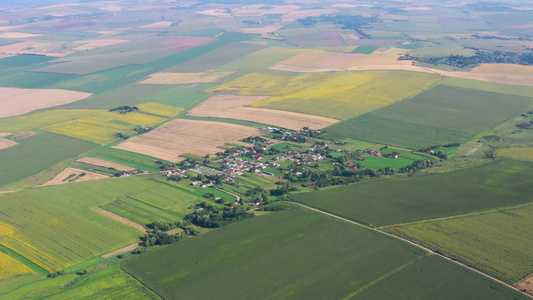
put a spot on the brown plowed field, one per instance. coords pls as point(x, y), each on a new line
point(48, 49)
point(15, 101)
point(4, 143)
point(232, 107)
point(180, 136)
point(121, 251)
point(61, 178)
point(526, 284)
point(104, 163)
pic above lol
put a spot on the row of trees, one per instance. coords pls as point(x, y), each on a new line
point(210, 216)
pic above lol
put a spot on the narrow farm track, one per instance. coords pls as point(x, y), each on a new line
point(120, 219)
point(236, 196)
point(455, 217)
point(431, 252)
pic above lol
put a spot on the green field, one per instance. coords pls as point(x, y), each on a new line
point(73, 232)
point(279, 250)
point(37, 153)
point(102, 81)
point(374, 162)
point(185, 96)
point(444, 114)
point(485, 241)
point(110, 283)
point(166, 197)
point(130, 159)
point(131, 94)
point(139, 213)
point(200, 192)
point(399, 200)
point(24, 60)
point(365, 49)
point(215, 58)
point(433, 277)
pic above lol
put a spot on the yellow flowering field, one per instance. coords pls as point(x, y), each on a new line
point(339, 95)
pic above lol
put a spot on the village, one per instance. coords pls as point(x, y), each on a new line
point(299, 157)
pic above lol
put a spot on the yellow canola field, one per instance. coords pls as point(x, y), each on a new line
point(339, 95)
point(42, 119)
point(101, 126)
point(160, 109)
point(11, 267)
point(89, 129)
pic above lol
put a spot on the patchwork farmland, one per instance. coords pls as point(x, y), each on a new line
point(236, 107)
point(441, 115)
point(153, 150)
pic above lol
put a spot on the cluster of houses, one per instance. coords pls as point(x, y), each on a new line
point(131, 172)
point(379, 154)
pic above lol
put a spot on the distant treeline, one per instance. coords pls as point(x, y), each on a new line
point(480, 57)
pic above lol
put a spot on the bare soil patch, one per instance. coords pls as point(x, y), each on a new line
point(233, 107)
point(15, 101)
point(507, 69)
point(344, 5)
point(120, 219)
point(87, 45)
point(105, 164)
point(121, 251)
point(4, 134)
point(48, 49)
point(17, 35)
point(335, 61)
point(162, 24)
point(71, 173)
point(180, 136)
point(417, 8)
point(526, 285)
point(183, 78)
point(20, 135)
point(261, 29)
point(215, 12)
point(5, 143)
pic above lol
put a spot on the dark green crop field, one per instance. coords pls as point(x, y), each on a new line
point(441, 115)
point(435, 278)
point(399, 200)
point(292, 254)
point(37, 153)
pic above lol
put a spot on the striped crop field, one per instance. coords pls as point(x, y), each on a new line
point(56, 227)
point(102, 126)
point(495, 243)
point(10, 266)
point(110, 283)
point(341, 95)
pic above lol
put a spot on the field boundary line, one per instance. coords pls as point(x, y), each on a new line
point(384, 277)
point(120, 219)
point(142, 283)
point(23, 260)
point(175, 214)
point(431, 252)
point(453, 217)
